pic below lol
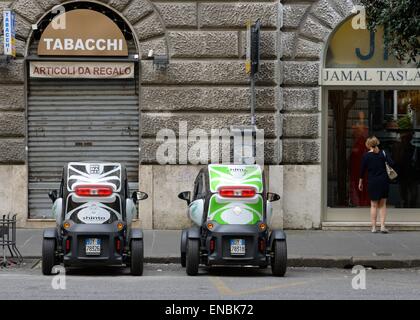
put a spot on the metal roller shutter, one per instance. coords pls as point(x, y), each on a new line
point(78, 120)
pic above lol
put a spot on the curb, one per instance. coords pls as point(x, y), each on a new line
point(318, 262)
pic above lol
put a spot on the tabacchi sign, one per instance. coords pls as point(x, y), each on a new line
point(85, 33)
point(9, 30)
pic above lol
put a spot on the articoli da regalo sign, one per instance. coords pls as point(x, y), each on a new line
point(81, 70)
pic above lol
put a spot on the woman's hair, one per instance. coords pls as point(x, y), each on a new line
point(372, 142)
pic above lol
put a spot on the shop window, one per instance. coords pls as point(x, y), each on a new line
point(392, 116)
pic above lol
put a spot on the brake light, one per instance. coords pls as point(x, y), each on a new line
point(93, 191)
point(237, 192)
point(118, 245)
point(261, 245)
point(212, 245)
point(67, 245)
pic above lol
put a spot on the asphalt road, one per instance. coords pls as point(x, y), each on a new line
point(169, 282)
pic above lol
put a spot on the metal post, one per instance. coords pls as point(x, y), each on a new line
point(253, 102)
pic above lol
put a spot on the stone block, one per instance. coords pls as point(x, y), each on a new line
point(237, 14)
point(301, 73)
point(301, 99)
point(149, 27)
point(293, 14)
point(301, 151)
point(12, 98)
point(207, 98)
point(178, 15)
point(12, 72)
point(136, 10)
point(204, 44)
point(302, 196)
point(301, 125)
point(12, 124)
point(12, 151)
point(208, 72)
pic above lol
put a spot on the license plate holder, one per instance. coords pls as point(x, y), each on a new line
point(237, 247)
point(93, 247)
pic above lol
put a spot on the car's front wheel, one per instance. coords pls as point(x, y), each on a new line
point(279, 258)
point(48, 256)
point(137, 254)
point(193, 256)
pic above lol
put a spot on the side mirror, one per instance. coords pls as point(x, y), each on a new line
point(139, 196)
point(53, 195)
point(273, 197)
point(186, 195)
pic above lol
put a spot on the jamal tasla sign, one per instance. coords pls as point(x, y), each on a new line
point(81, 70)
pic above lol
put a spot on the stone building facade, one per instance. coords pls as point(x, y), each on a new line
point(206, 85)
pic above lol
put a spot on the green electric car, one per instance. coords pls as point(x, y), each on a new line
point(231, 211)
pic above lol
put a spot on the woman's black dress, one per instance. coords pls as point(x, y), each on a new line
point(378, 180)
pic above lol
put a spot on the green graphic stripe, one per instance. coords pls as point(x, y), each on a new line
point(222, 176)
point(216, 210)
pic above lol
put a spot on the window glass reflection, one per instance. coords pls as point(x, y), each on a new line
point(392, 116)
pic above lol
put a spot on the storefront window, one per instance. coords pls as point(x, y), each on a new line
point(392, 116)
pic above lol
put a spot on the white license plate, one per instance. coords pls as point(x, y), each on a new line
point(93, 247)
point(237, 247)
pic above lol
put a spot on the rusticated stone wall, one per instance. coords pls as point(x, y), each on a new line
point(306, 28)
point(205, 83)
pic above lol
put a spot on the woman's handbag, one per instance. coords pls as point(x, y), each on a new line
point(392, 174)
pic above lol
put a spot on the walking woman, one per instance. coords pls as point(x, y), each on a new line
point(374, 162)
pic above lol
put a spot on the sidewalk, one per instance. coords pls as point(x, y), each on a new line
point(329, 249)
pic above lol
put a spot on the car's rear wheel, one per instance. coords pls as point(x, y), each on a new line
point(279, 258)
point(48, 256)
point(137, 254)
point(183, 259)
point(193, 256)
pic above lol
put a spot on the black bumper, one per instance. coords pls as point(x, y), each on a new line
point(222, 234)
point(109, 255)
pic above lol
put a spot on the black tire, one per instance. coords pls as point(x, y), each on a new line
point(48, 256)
point(183, 259)
point(136, 263)
point(279, 258)
point(193, 256)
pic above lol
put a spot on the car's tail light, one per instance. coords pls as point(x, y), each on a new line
point(68, 245)
point(93, 191)
point(118, 245)
point(212, 245)
point(261, 245)
point(237, 192)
